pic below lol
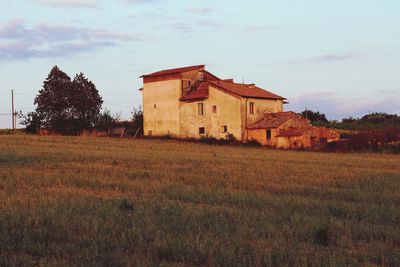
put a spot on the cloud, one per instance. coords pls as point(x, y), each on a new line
point(389, 91)
point(335, 57)
point(70, 3)
point(138, 1)
point(150, 16)
point(183, 27)
point(254, 28)
point(327, 58)
point(15, 51)
point(337, 106)
point(17, 41)
point(199, 10)
point(210, 23)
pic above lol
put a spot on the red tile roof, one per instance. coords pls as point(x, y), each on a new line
point(295, 131)
point(276, 119)
point(326, 132)
point(209, 76)
point(173, 71)
point(201, 91)
point(245, 90)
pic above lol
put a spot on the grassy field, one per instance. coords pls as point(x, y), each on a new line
point(109, 202)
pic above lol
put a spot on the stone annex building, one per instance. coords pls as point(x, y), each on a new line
point(191, 102)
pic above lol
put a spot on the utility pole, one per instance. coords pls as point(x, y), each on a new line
point(306, 113)
point(12, 111)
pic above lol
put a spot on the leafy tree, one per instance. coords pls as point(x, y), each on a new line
point(31, 121)
point(137, 120)
point(52, 100)
point(349, 120)
point(379, 117)
point(314, 116)
point(67, 106)
point(106, 121)
point(85, 103)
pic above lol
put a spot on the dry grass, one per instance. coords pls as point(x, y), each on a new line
point(86, 201)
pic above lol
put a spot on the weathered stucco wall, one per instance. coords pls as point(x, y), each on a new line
point(165, 114)
point(161, 107)
point(303, 141)
point(260, 135)
point(261, 106)
point(228, 113)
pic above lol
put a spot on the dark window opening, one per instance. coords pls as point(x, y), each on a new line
point(200, 109)
point(202, 130)
point(268, 134)
point(155, 106)
point(224, 129)
point(251, 107)
point(214, 109)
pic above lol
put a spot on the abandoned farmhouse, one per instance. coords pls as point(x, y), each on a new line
point(191, 102)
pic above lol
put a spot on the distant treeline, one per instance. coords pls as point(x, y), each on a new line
point(374, 132)
point(377, 120)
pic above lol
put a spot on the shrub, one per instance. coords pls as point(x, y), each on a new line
point(125, 205)
point(321, 236)
point(253, 143)
point(373, 140)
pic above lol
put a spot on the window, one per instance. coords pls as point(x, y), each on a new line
point(268, 134)
point(200, 109)
point(202, 130)
point(251, 107)
point(186, 83)
point(155, 106)
point(224, 129)
point(214, 109)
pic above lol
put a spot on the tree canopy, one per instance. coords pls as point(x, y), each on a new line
point(65, 105)
point(315, 116)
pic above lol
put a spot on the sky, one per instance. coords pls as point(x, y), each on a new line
point(339, 57)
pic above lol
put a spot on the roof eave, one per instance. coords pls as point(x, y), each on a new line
point(194, 67)
point(193, 99)
point(261, 97)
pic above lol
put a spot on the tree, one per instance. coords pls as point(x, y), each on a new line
point(31, 121)
point(67, 106)
point(315, 116)
point(106, 121)
point(379, 117)
point(85, 102)
point(137, 120)
point(52, 100)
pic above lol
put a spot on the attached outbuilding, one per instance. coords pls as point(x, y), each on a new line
point(289, 130)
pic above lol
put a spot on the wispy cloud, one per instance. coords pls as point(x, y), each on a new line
point(138, 1)
point(71, 3)
point(150, 16)
point(254, 28)
point(199, 10)
point(336, 57)
point(389, 91)
point(17, 41)
point(210, 23)
point(182, 27)
point(337, 106)
point(328, 58)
